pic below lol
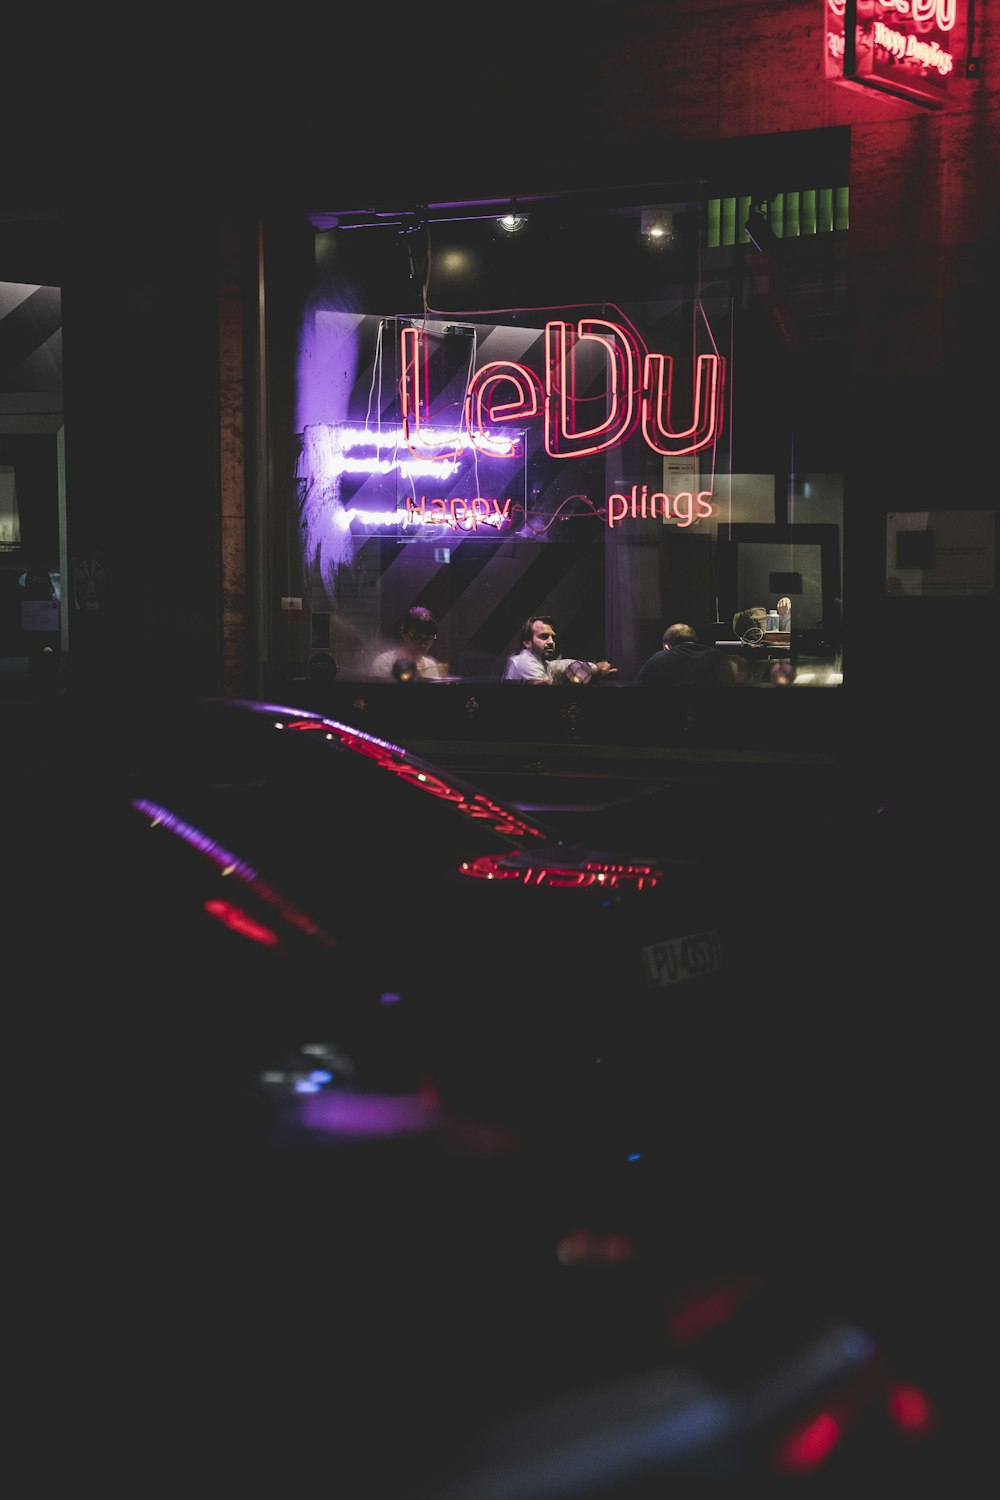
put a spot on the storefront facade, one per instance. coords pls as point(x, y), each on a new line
point(612, 407)
point(658, 397)
point(340, 387)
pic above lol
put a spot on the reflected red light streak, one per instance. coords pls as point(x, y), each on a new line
point(392, 758)
point(910, 1409)
point(608, 876)
point(232, 867)
point(701, 1313)
point(810, 1445)
point(235, 918)
point(590, 1246)
point(812, 1441)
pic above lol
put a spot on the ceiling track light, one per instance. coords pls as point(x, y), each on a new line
point(656, 225)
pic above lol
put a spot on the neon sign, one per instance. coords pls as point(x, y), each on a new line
point(468, 514)
point(460, 514)
point(639, 394)
point(350, 450)
point(480, 449)
point(356, 450)
point(899, 46)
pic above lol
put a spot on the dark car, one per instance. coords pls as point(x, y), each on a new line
point(272, 875)
point(394, 1143)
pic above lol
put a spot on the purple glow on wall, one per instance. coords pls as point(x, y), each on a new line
point(326, 372)
point(327, 366)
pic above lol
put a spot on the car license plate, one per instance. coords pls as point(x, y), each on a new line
point(677, 959)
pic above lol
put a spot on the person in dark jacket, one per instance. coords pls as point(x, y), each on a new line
point(684, 661)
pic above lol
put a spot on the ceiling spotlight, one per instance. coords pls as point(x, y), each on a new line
point(511, 223)
point(657, 225)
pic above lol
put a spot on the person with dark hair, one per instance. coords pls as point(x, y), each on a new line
point(537, 660)
point(684, 661)
point(411, 660)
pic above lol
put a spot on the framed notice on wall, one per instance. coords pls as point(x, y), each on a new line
point(940, 553)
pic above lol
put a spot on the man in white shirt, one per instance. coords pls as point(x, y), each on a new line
point(411, 659)
point(537, 660)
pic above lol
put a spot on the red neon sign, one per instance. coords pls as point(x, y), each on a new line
point(899, 46)
point(638, 394)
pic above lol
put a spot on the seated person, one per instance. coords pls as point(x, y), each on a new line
point(684, 661)
point(411, 659)
point(537, 660)
point(784, 609)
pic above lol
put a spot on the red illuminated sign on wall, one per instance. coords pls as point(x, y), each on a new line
point(903, 47)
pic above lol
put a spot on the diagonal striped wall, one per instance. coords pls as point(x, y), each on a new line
point(30, 337)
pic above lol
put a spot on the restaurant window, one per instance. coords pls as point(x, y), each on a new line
point(34, 557)
point(610, 408)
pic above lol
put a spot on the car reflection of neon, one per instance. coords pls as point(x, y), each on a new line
point(392, 758)
point(234, 868)
point(237, 920)
point(588, 874)
point(561, 873)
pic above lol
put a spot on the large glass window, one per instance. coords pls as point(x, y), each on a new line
point(613, 409)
